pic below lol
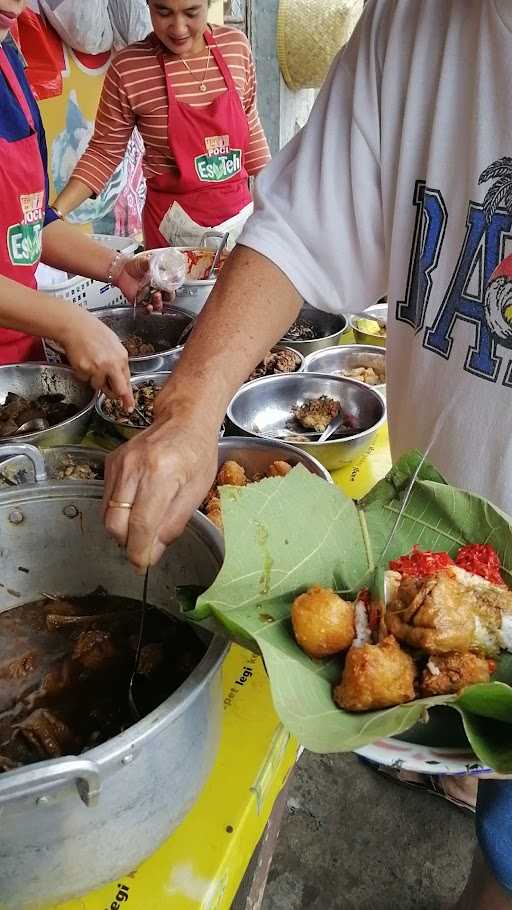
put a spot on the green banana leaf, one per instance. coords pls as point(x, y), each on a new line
point(283, 535)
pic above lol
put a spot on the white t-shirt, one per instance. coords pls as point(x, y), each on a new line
point(382, 192)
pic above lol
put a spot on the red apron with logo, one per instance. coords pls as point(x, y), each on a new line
point(22, 182)
point(209, 145)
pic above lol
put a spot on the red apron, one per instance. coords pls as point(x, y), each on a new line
point(209, 146)
point(22, 182)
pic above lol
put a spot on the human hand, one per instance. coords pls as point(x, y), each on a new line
point(164, 473)
point(131, 276)
point(97, 356)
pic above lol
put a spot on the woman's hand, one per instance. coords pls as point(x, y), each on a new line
point(131, 276)
point(164, 473)
point(97, 355)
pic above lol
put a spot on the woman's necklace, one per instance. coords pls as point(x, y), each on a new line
point(202, 83)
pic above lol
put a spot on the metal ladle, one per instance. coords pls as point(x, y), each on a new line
point(218, 254)
point(131, 700)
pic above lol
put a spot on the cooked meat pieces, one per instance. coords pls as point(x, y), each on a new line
point(145, 396)
point(137, 347)
point(151, 658)
point(70, 468)
point(375, 677)
point(277, 361)
point(64, 687)
point(95, 650)
point(447, 674)
point(17, 410)
point(233, 474)
point(317, 413)
point(323, 623)
point(303, 330)
point(47, 734)
point(435, 614)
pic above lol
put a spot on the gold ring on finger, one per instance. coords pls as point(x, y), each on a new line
point(117, 504)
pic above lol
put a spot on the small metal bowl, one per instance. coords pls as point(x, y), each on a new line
point(263, 408)
point(163, 330)
point(20, 469)
point(282, 347)
point(329, 325)
point(256, 455)
point(378, 311)
point(333, 361)
point(34, 379)
point(124, 429)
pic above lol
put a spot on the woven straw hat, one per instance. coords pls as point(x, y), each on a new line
point(309, 35)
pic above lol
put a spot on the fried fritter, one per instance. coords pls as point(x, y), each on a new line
point(375, 677)
point(446, 674)
point(231, 474)
point(323, 623)
point(279, 469)
point(317, 413)
point(434, 614)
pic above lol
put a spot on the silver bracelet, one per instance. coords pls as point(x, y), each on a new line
point(116, 267)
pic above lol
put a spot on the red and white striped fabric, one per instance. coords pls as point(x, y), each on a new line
point(134, 94)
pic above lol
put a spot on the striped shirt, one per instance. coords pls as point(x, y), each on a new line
point(135, 95)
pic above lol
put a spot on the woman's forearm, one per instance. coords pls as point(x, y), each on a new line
point(72, 196)
point(26, 310)
point(252, 305)
point(66, 247)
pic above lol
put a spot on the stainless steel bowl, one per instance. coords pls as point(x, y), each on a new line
point(123, 429)
point(335, 360)
point(377, 311)
point(262, 408)
point(256, 455)
point(20, 465)
point(330, 325)
point(34, 379)
point(162, 330)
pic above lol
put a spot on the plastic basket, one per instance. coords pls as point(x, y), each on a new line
point(86, 293)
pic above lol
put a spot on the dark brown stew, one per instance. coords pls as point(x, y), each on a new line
point(65, 667)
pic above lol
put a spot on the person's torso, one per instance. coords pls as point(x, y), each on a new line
point(446, 158)
point(144, 83)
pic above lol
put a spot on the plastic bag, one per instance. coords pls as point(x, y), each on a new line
point(83, 25)
point(42, 50)
point(167, 269)
point(130, 21)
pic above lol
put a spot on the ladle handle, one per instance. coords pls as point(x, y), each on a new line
point(31, 452)
point(37, 781)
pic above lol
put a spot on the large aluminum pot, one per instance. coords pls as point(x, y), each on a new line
point(69, 825)
point(33, 379)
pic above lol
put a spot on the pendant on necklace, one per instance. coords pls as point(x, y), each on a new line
point(202, 87)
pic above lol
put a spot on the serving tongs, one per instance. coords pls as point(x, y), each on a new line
point(218, 253)
point(131, 699)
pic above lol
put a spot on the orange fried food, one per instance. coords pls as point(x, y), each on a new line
point(279, 469)
point(376, 676)
point(323, 623)
point(434, 614)
point(231, 473)
point(446, 674)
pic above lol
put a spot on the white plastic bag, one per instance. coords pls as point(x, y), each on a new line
point(167, 269)
point(83, 25)
point(95, 26)
point(130, 20)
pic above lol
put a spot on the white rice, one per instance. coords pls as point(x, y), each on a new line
point(363, 632)
point(505, 633)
